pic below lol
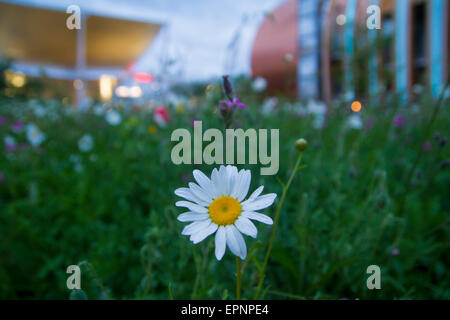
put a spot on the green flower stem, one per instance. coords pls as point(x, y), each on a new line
point(275, 224)
point(238, 278)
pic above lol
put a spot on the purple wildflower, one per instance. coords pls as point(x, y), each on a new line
point(17, 126)
point(10, 147)
point(239, 104)
point(225, 104)
point(426, 146)
point(395, 252)
point(2, 176)
point(230, 104)
point(228, 107)
point(399, 121)
point(2, 120)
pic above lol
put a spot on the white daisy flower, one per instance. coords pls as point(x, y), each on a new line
point(34, 135)
point(217, 206)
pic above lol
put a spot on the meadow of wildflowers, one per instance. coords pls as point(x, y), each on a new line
point(97, 188)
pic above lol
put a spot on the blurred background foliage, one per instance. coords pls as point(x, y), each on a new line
point(110, 209)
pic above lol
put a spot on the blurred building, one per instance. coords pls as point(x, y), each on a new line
point(323, 48)
point(88, 61)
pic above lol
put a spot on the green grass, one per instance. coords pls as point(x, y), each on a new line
point(348, 209)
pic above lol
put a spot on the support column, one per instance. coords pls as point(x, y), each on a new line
point(349, 46)
point(402, 48)
point(437, 36)
point(373, 63)
point(308, 70)
point(80, 87)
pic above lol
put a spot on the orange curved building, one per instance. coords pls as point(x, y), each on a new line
point(323, 52)
point(275, 49)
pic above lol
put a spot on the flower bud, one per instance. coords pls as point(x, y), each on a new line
point(437, 137)
point(445, 164)
point(301, 144)
point(227, 87)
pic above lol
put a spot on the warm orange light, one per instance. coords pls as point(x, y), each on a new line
point(16, 79)
point(356, 106)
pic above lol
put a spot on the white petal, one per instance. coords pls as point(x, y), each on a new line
point(241, 242)
point(195, 227)
point(191, 206)
point(245, 226)
point(255, 194)
point(232, 173)
point(259, 203)
point(232, 242)
point(191, 216)
point(245, 185)
point(216, 182)
point(188, 195)
point(204, 182)
point(258, 217)
point(199, 193)
point(223, 181)
point(236, 242)
point(202, 234)
point(221, 241)
point(237, 184)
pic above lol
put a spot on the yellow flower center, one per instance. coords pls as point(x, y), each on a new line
point(224, 210)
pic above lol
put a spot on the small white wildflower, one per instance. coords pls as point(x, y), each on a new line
point(34, 135)
point(355, 122)
point(318, 121)
point(10, 141)
point(40, 111)
point(113, 117)
point(86, 143)
point(288, 57)
point(217, 206)
point(301, 111)
point(316, 107)
point(75, 159)
point(259, 84)
point(349, 96)
point(269, 105)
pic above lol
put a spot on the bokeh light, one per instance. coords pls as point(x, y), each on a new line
point(356, 106)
